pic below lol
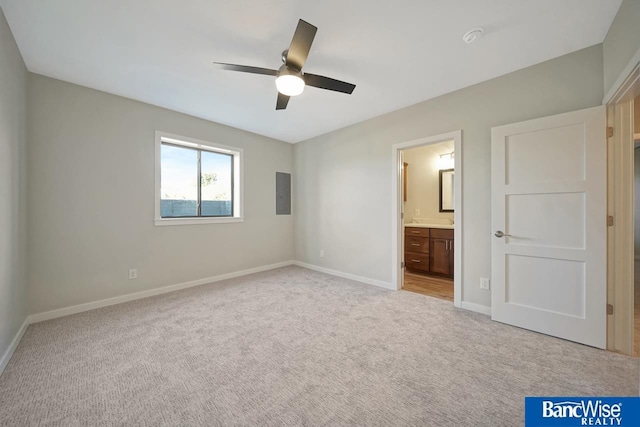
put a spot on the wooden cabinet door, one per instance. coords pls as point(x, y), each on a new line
point(439, 257)
point(451, 258)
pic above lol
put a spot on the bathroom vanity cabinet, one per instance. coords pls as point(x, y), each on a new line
point(429, 250)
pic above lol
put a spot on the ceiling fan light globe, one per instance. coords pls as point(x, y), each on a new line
point(290, 85)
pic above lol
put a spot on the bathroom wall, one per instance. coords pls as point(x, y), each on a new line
point(423, 181)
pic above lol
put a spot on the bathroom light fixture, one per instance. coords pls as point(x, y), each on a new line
point(446, 161)
point(289, 81)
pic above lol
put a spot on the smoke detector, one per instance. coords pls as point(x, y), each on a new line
point(472, 35)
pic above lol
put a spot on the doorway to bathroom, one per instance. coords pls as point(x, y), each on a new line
point(428, 178)
point(427, 232)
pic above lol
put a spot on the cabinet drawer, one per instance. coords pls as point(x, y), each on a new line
point(416, 261)
point(442, 233)
point(416, 244)
point(416, 231)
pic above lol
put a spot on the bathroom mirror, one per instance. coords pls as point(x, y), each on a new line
point(446, 190)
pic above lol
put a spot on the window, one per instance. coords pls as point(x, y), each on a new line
point(196, 181)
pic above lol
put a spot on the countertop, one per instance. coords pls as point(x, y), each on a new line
point(445, 226)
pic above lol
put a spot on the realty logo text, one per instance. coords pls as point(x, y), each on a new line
point(590, 412)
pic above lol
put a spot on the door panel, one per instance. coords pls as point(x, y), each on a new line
point(559, 219)
point(549, 200)
point(531, 282)
point(559, 152)
point(439, 256)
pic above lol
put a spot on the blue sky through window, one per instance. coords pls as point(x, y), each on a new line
point(179, 174)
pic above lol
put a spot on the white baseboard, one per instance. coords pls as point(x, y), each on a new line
point(48, 315)
point(471, 306)
point(14, 344)
point(349, 276)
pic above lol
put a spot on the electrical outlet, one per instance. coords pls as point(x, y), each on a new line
point(322, 253)
point(484, 283)
point(417, 212)
point(133, 273)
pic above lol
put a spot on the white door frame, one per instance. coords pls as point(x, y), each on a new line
point(620, 287)
point(397, 228)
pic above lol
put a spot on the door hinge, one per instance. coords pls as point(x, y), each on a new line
point(402, 264)
point(609, 309)
point(609, 132)
point(401, 215)
point(610, 220)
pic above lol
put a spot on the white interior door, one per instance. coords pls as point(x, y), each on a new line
point(549, 202)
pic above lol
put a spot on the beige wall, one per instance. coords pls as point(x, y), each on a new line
point(423, 181)
point(91, 199)
point(13, 89)
point(343, 179)
point(622, 41)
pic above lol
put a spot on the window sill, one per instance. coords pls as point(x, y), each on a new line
point(193, 221)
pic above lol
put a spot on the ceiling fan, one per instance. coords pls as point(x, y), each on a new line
point(290, 80)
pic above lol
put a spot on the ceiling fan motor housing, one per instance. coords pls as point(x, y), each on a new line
point(287, 70)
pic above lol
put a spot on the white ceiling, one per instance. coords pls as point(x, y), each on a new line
point(397, 52)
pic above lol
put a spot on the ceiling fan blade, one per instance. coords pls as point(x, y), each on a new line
point(328, 83)
point(301, 44)
point(246, 69)
point(283, 100)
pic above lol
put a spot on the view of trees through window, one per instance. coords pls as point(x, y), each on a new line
point(181, 170)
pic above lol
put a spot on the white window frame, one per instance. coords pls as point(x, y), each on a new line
point(238, 178)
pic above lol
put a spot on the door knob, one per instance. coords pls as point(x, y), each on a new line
point(501, 234)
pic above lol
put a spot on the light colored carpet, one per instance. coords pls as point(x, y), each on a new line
point(293, 347)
